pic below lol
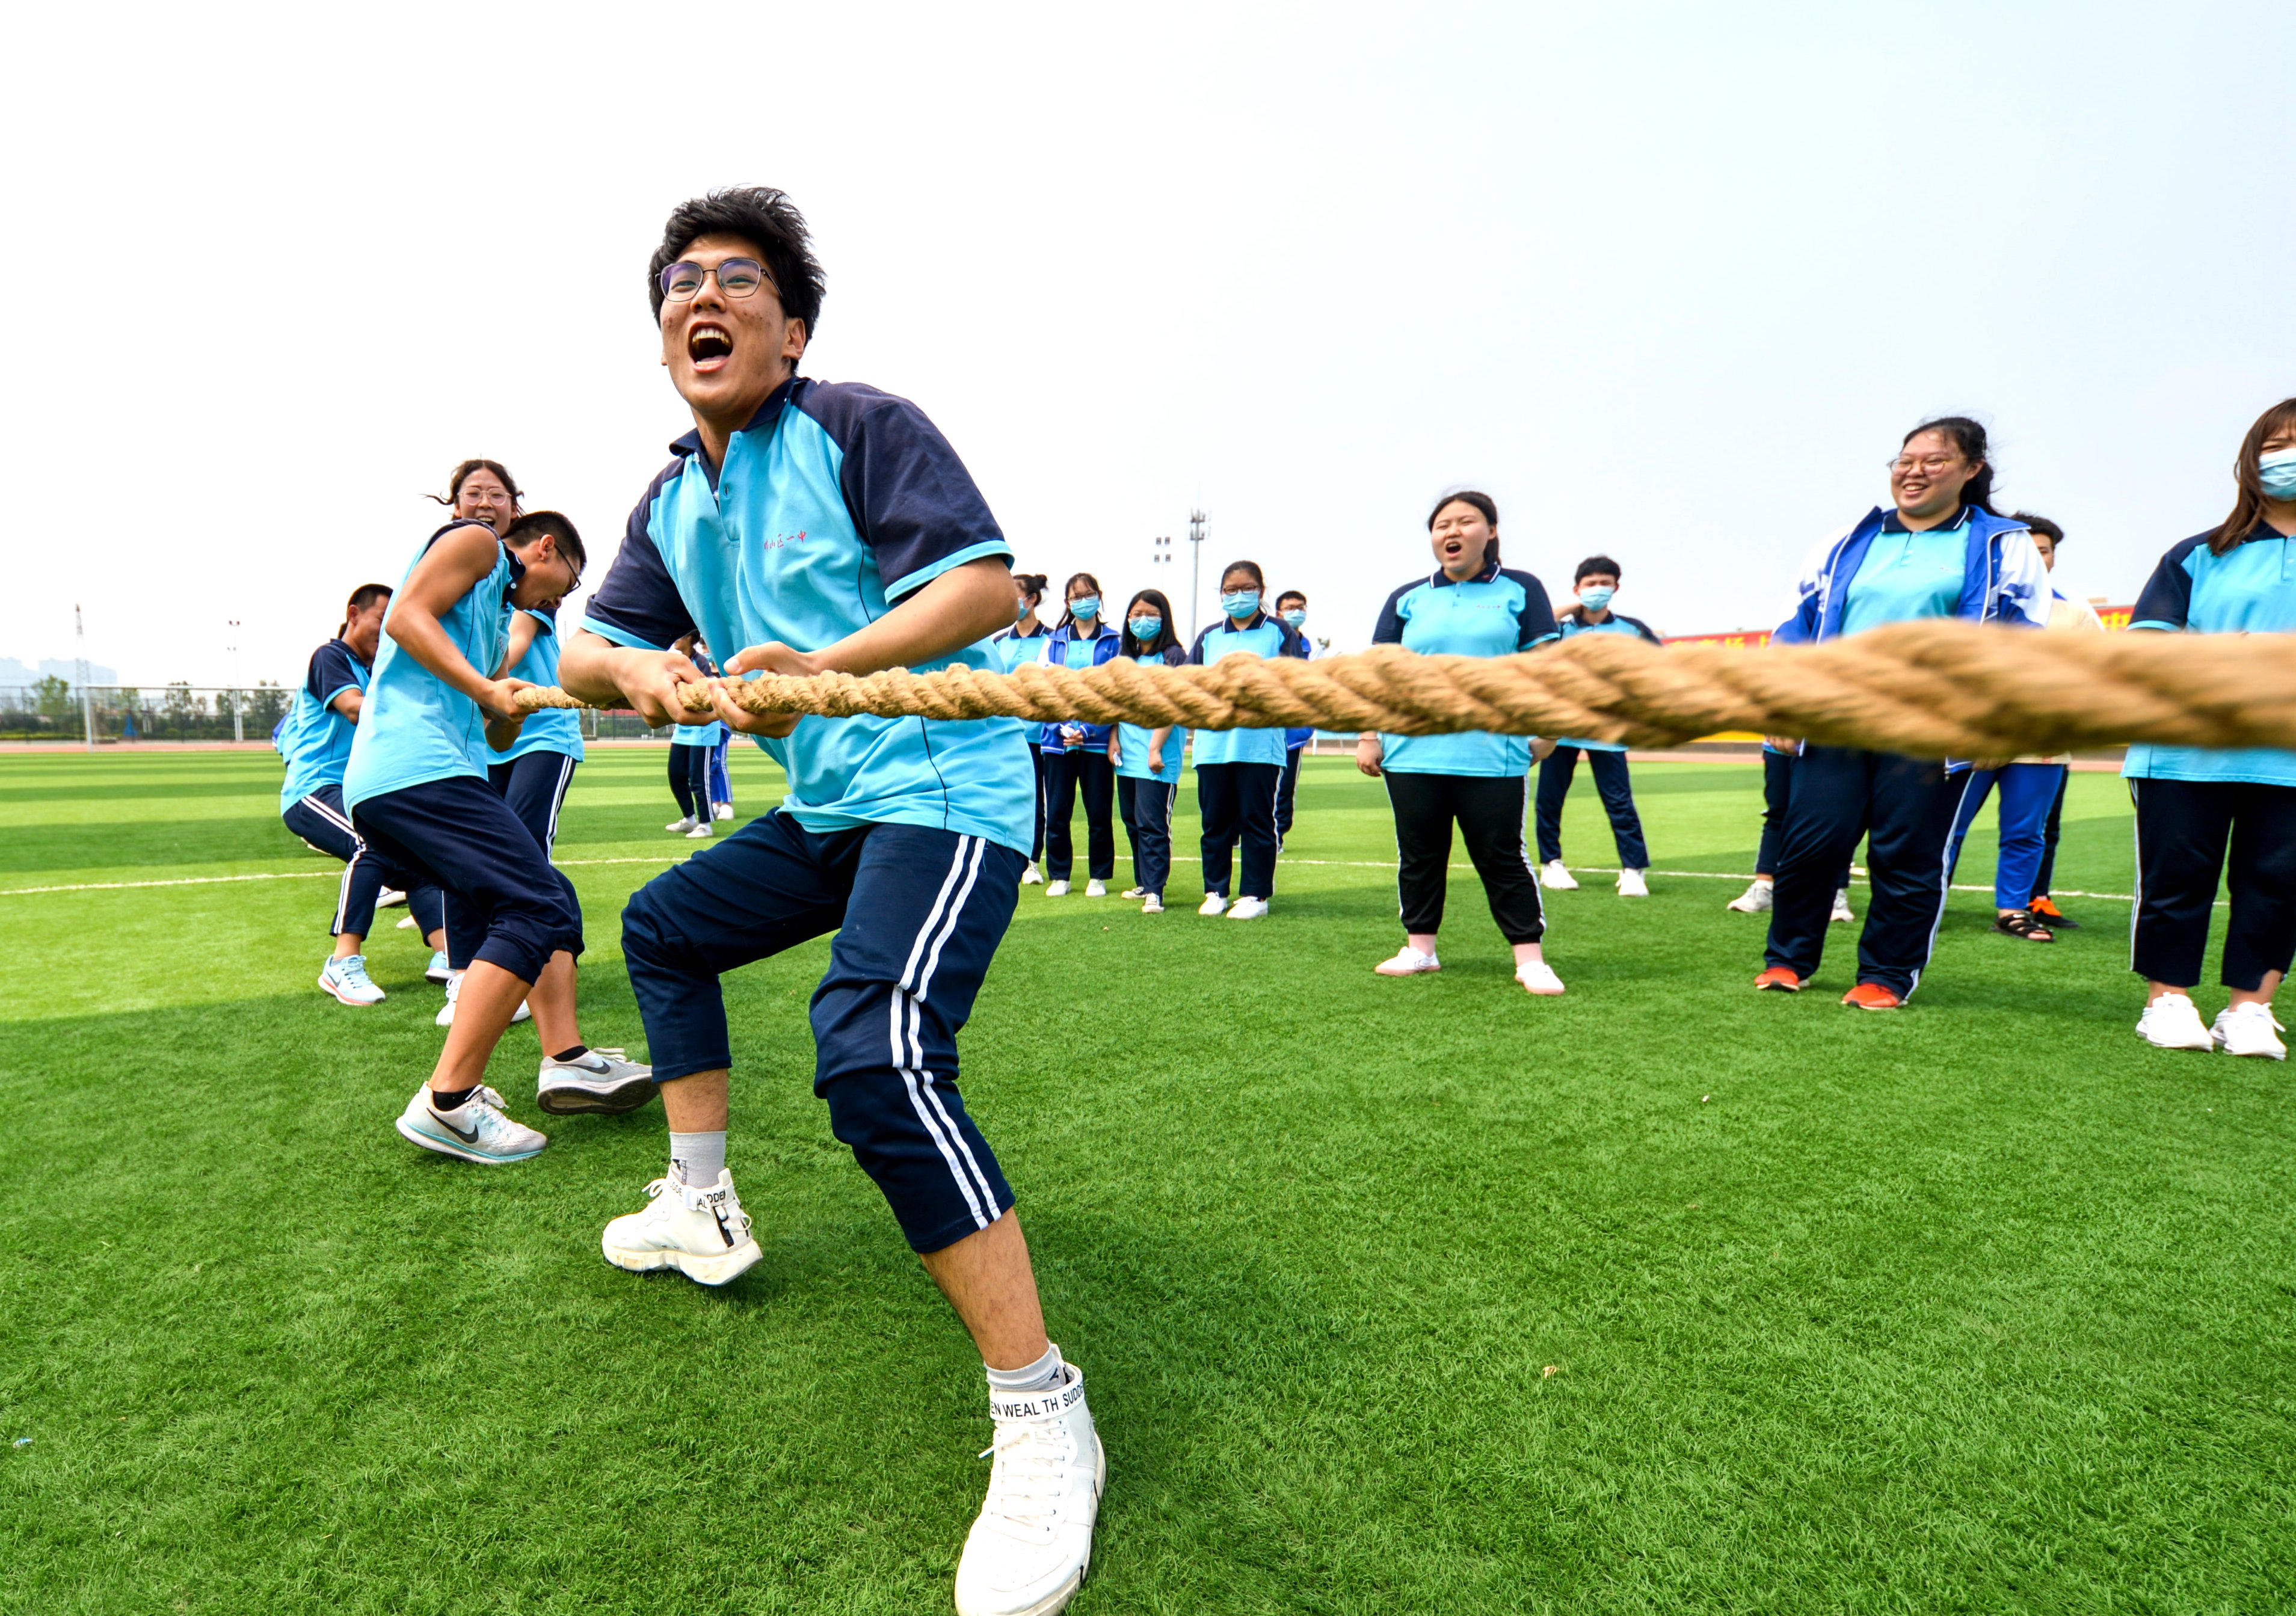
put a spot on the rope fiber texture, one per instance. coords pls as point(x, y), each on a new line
point(1941, 688)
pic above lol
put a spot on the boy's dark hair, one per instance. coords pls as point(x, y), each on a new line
point(549, 524)
point(1290, 595)
point(2041, 524)
point(758, 214)
point(1968, 437)
point(1593, 564)
point(361, 597)
point(1165, 639)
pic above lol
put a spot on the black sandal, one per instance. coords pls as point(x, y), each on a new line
point(2020, 923)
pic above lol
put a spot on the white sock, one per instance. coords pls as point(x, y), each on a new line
point(698, 1158)
point(1042, 1375)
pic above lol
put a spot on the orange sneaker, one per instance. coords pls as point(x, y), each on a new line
point(1778, 978)
point(1872, 996)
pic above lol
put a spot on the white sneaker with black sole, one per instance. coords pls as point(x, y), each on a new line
point(346, 980)
point(598, 1082)
point(1031, 1544)
point(477, 1130)
point(1555, 878)
point(1754, 901)
point(446, 1016)
point(2249, 1029)
point(703, 1234)
point(2172, 1022)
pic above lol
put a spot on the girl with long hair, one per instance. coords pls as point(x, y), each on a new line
point(1076, 755)
point(1147, 761)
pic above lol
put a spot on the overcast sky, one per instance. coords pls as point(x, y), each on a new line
point(1668, 280)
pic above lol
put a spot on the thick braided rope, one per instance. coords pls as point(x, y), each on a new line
point(1931, 689)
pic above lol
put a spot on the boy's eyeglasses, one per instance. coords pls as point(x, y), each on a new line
point(681, 283)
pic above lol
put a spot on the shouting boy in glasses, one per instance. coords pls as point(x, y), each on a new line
point(827, 526)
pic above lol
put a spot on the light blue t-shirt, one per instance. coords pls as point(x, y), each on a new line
point(416, 727)
point(1133, 740)
point(1264, 636)
point(698, 734)
point(1010, 650)
point(1612, 624)
point(315, 739)
point(2249, 590)
point(1906, 577)
point(1495, 613)
point(1078, 654)
point(554, 729)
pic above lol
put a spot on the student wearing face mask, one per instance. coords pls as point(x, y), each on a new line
point(1024, 641)
point(1076, 755)
point(1148, 761)
point(1291, 606)
point(1596, 581)
point(2194, 807)
point(1939, 550)
point(1468, 606)
point(1238, 770)
point(2030, 788)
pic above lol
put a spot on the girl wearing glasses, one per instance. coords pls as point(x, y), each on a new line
point(1239, 770)
point(1939, 549)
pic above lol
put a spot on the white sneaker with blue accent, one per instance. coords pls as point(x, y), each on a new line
point(439, 970)
point(1031, 1544)
point(346, 978)
point(2249, 1029)
point(703, 1234)
point(597, 1082)
point(477, 1130)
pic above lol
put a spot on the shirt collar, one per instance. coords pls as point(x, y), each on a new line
point(766, 414)
point(1227, 624)
point(1893, 523)
point(1439, 578)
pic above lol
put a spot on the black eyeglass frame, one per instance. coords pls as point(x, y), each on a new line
point(703, 272)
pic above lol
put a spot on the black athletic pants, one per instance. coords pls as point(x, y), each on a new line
point(1237, 801)
point(2184, 830)
point(1287, 792)
point(689, 778)
point(1037, 843)
point(321, 819)
point(1778, 790)
point(1617, 794)
point(535, 788)
point(1064, 774)
point(1146, 808)
point(1905, 808)
point(2048, 869)
point(1490, 812)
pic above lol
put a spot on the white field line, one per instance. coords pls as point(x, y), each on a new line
point(217, 881)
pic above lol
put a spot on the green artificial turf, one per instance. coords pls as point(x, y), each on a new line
point(1394, 1296)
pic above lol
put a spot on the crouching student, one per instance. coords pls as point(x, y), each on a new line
point(1148, 761)
point(417, 790)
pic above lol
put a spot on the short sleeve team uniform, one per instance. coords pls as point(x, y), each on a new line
point(1145, 796)
point(1080, 766)
point(532, 777)
point(1981, 568)
point(2195, 806)
point(1476, 781)
point(418, 789)
point(1606, 758)
point(1012, 648)
point(905, 837)
point(316, 740)
point(692, 747)
point(1238, 771)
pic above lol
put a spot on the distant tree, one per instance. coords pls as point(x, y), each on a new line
point(266, 703)
point(53, 697)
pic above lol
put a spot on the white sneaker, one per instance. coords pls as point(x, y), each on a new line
point(1214, 904)
point(446, 1016)
point(406, 922)
point(1631, 884)
point(1031, 1544)
point(703, 1234)
point(681, 824)
point(702, 832)
point(721, 810)
point(1152, 905)
point(346, 978)
point(476, 1131)
point(438, 971)
point(1247, 908)
point(2170, 1023)
point(1134, 893)
point(1031, 876)
point(601, 1082)
point(1754, 901)
point(1537, 976)
point(1096, 888)
point(1408, 962)
point(1056, 888)
point(1841, 916)
point(2249, 1030)
point(1554, 878)
point(387, 897)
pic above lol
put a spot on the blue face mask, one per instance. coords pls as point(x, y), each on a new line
point(1022, 616)
point(1295, 617)
point(1084, 606)
point(1239, 602)
point(2277, 470)
point(1146, 629)
point(1596, 596)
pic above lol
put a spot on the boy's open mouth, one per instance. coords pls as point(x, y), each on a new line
point(708, 345)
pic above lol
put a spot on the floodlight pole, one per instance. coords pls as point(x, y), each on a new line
point(79, 670)
point(238, 720)
point(1195, 572)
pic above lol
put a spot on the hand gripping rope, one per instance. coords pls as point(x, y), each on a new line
point(1941, 688)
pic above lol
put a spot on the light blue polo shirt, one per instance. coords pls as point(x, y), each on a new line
point(316, 740)
point(1132, 738)
point(554, 729)
point(1906, 577)
point(2250, 589)
point(1012, 649)
point(1263, 636)
point(1612, 624)
point(834, 502)
point(416, 727)
point(1495, 613)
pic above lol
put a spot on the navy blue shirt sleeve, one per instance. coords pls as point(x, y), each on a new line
point(2166, 600)
point(637, 604)
point(1389, 629)
point(1534, 622)
point(1196, 651)
point(1643, 630)
point(1174, 657)
point(912, 501)
point(334, 670)
point(1294, 643)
